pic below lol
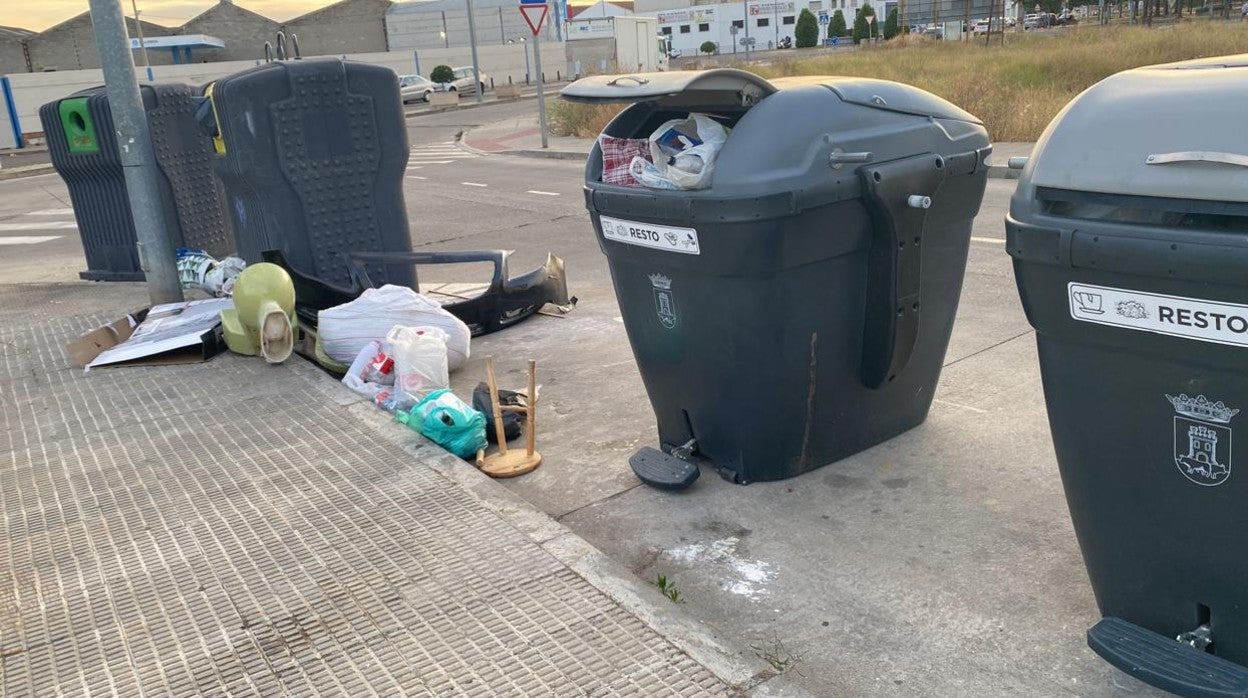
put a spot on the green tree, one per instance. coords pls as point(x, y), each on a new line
point(836, 26)
point(708, 47)
point(443, 73)
point(862, 28)
point(806, 34)
point(890, 25)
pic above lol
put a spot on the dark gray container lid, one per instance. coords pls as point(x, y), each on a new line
point(1169, 131)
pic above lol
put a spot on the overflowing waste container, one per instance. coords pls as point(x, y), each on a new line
point(794, 307)
point(1128, 237)
point(83, 145)
point(312, 155)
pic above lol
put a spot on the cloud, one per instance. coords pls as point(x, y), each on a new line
point(44, 13)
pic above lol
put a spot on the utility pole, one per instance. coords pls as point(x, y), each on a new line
point(138, 27)
point(138, 162)
point(472, 41)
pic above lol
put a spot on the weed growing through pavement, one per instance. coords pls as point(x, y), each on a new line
point(668, 587)
point(778, 656)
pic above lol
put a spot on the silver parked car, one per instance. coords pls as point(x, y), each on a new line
point(464, 82)
point(415, 88)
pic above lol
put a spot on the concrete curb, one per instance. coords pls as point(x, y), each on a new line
point(473, 104)
point(26, 171)
point(739, 669)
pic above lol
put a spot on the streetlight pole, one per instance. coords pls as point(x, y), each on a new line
point(472, 42)
point(745, 6)
point(138, 162)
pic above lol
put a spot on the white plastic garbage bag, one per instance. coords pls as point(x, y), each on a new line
point(420, 359)
point(345, 329)
point(683, 152)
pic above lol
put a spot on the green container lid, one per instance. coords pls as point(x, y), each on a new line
point(79, 129)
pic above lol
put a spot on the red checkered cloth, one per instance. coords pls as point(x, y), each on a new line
point(618, 154)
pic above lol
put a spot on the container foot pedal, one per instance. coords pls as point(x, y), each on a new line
point(1166, 663)
point(658, 469)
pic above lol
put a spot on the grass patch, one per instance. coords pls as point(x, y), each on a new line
point(1016, 89)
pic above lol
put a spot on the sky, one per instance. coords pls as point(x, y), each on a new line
point(38, 15)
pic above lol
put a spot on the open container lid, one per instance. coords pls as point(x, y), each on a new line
point(1177, 130)
point(704, 86)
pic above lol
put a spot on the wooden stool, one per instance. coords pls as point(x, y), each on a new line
point(505, 463)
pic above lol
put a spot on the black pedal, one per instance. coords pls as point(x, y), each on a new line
point(658, 469)
point(1166, 663)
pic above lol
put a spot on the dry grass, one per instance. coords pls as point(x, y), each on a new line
point(1016, 89)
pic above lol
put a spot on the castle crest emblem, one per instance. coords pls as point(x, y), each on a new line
point(1202, 439)
point(664, 301)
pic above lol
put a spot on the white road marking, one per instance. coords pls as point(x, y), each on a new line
point(416, 177)
point(434, 162)
point(994, 241)
point(28, 239)
point(50, 225)
point(53, 212)
point(542, 193)
point(474, 184)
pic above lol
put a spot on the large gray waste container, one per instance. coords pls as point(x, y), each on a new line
point(312, 155)
point(798, 310)
point(83, 146)
point(1129, 233)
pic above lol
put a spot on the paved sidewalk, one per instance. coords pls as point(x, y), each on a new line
point(231, 528)
point(521, 136)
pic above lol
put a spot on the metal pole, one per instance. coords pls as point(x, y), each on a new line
point(138, 162)
point(472, 42)
point(745, 7)
point(446, 35)
point(502, 35)
point(416, 55)
point(541, 89)
point(526, 61)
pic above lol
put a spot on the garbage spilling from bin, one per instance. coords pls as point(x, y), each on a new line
point(1129, 256)
point(831, 224)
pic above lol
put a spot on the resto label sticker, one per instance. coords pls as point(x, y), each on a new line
point(660, 237)
point(1192, 318)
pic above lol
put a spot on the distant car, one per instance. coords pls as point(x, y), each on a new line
point(415, 88)
point(1067, 18)
point(465, 83)
point(981, 26)
point(1011, 22)
point(1031, 21)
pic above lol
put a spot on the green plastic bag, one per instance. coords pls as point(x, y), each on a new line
point(447, 421)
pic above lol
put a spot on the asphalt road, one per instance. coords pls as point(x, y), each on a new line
point(940, 563)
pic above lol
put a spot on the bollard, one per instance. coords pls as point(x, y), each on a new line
point(558, 77)
point(491, 83)
point(508, 79)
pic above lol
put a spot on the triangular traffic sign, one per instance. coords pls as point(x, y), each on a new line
point(534, 16)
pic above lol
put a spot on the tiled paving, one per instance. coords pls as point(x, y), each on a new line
point(223, 529)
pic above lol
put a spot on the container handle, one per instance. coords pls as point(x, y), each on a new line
point(615, 82)
point(894, 271)
point(1234, 159)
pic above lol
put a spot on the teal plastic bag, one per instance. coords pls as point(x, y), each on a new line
point(447, 421)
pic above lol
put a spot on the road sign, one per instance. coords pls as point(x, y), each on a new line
point(534, 15)
point(746, 41)
point(733, 29)
point(823, 18)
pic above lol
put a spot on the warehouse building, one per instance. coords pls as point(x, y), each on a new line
point(444, 24)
